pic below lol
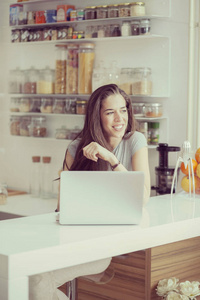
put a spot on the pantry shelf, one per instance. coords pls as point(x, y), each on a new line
point(33, 1)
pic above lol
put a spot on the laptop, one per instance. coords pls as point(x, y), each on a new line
point(101, 197)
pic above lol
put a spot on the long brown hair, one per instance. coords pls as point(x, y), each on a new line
point(92, 130)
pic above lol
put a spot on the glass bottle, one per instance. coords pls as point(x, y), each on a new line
point(61, 69)
point(35, 177)
point(46, 180)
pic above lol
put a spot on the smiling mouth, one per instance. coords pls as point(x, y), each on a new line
point(118, 127)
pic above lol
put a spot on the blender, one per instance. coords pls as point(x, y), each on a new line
point(164, 173)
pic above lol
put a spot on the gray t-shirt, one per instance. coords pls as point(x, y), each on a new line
point(124, 151)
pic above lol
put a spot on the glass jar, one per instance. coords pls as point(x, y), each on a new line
point(142, 82)
point(145, 26)
point(3, 193)
point(100, 31)
point(135, 27)
point(70, 107)
point(59, 106)
point(126, 80)
point(153, 110)
point(14, 104)
point(102, 12)
point(46, 105)
point(154, 133)
point(45, 84)
point(143, 127)
point(88, 32)
point(115, 30)
point(113, 11)
point(62, 133)
point(86, 62)
point(90, 13)
point(72, 69)
point(25, 105)
point(81, 106)
point(24, 126)
point(16, 79)
point(38, 127)
point(35, 105)
point(137, 9)
point(124, 10)
point(74, 133)
point(61, 69)
point(30, 81)
point(126, 28)
point(138, 109)
point(15, 125)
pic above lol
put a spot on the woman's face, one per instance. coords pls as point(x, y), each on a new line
point(114, 117)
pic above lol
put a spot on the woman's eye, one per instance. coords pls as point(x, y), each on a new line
point(110, 113)
point(124, 110)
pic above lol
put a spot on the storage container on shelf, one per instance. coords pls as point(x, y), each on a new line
point(126, 28)
point(3, 193)
point(142, 82)
point(59, 106)
point(46, 105)
point(25, 105)
point(62, 133)
point(137, 9)
point(135, 27)
point(81, 106)
point(113, 10)
point(153, 110)
point(15, 125)
point(72, 69)
point(14, 104)
point(126, 80)
point(124, 10)
point(61, 69)
point(35, 105)
point(153, 133)
point(38, 127)
point(16, 79)
point(138, 109)
point(31, 77)
point(70, 107)
point(143, 128)
point(85, 68)
point(46, 82)
point(145, 26)
point(102, 12)
point(74, 132)
point(90, 12)
point(80, 14)
point(115, 30)
point(25, 125)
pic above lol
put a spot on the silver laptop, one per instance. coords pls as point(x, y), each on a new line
point(101, 198)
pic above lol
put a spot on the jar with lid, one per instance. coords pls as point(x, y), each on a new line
point(126, 80)
point(113, 11)
point(46, 82)
point(88, 32)
point(143, 127)
point(25, 105)
point(145, 26)
point(3, 193)
point(124, 10)
point(90, 13)
point(126, 28)
point(15, 125)
point(137, 9)
point(142, 82)
point(30, 81)
point(24, 125)
point(85, 62)
point(115, 30)
point(72, 69)
point(154, 133)
point(153, 110)
point(38, 127)
point(70, 107)
point(16, 79)
point(62, 133)
point(74, 133)
point(46, 105)
point(102, 12)
point(138, 109)
point(35, 105)
point(59, 106)
point(81, 106)
point(100, 31)
point(61, 69)
point(14, 104)
point(135, 27)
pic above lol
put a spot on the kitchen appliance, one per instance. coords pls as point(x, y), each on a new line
point(164, 173)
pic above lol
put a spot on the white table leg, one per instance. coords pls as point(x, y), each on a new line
point(14, 289)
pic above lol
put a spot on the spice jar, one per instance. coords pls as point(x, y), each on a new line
point(153, 110)
point(126, 79)
point(142, 83)
point(24, 126)
point(38, 127)
point(113, 11)
point(14, 104)
point(61, 69)
point(81, 107)
point(62, 133)
point(124, 10)
point(45, 84)
point(15, 125)
point(135, 27)
point(46, 105)
point(3, 193)
point(145, 26)
point(70, 107)
point(72, 69)
point(25, 105)
point(35, 105)
point(102, 12)
point(138, 109)
point(86, 61)
point(90, 13)
point(137, 9)
point(59, 106)
point(30, 81)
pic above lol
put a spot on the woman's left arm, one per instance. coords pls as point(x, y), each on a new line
point(140, 162)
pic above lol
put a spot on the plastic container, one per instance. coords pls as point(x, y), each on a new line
point(126, 80)
point(124, 10)
point(35, 177)
point(145, 26)
point(153, 110)
point(72, 69)
point(46, 82)
point(46, 105)
point(25, 105)
point(15, 125)
point(61, 69)
point(142, 82)
point(137, 9)
point(24, 126)
point(3, 193)
point(113, 11)
point(38, 127)
point(59, 106)
point(35, 105)
point(30, 81)
point(81, 106)
point(90, 13)
point(85, 62)
point(14, 104)
point(138, 109)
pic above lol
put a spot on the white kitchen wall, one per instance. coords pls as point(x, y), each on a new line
point(16, 152)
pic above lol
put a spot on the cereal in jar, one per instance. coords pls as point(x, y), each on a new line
point(15, 125)
point(46, 105)
point(38, 127)
point(24, 125)
point(72, 69)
